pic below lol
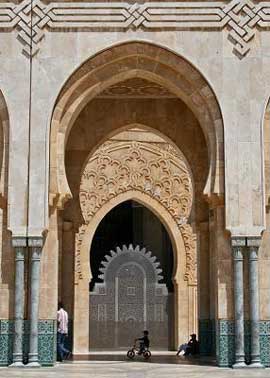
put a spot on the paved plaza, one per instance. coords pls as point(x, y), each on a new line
point(126, 369)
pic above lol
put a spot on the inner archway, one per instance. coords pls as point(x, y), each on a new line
point(131, 288)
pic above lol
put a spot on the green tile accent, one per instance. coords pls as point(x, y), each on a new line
point(6, 338)
point(225, 342)
point(46, 341)
point(265, 342)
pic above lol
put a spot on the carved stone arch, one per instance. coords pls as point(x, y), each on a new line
point(117, 167)
point(159, 173)
point(183, 240)
point(121, 62)
point(143, 127)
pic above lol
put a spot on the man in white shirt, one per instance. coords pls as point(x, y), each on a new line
point(62, 332)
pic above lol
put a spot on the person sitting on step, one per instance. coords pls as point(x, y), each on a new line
point(190, 348)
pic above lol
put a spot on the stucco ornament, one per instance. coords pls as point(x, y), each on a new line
point(157, 170)
point(118, 167)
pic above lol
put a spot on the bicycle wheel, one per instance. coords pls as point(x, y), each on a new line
point(147, 354)
point(131, 354)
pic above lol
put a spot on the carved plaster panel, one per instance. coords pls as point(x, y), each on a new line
point(118, 167)
point(191, 253)
point(78, 244)
point(31, 18)
point(160, 172)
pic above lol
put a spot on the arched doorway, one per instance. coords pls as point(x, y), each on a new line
point(133, 167)
point(147, 104)
point(131, 288)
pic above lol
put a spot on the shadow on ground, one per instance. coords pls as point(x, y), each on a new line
point(155, 359)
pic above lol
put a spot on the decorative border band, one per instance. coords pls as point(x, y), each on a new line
point(32, 17)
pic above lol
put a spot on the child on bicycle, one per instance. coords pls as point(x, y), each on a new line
point(144, 342)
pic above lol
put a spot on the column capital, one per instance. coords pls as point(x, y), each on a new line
point(238, 244)
point(254, 242)
point(35, 241)
point(238, 241)
point(19, 241)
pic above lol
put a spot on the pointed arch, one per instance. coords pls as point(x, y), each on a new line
point(122, 62)
point(184, 293)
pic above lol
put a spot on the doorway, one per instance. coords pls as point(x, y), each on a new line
point(131, 288)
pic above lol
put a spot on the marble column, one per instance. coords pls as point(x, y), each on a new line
point(237, 246)
point(36, 248)
point(19, 245)
point(253, 247)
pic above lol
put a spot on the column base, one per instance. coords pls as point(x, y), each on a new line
point(255, 365)
point(239, 365)
point(17, 364)
point(33, 365)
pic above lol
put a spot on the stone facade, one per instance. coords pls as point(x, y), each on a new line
point(161, 103)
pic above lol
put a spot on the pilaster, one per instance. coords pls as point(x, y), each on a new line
point(237, 248)
point(19, 244)
point(36, 244)
point(253, 249)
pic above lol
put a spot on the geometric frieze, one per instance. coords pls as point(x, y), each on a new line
point(32, 18)
point(118, 167)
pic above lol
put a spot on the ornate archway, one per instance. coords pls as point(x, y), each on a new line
point(122, 62)
point(161, 180)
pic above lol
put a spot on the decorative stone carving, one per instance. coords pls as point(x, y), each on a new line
point(118, 167)
point(191, 254)
point(78, 242)
point(136, 88)
point(240, 16)
point(159, 171)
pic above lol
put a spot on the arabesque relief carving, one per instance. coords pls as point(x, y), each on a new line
point(121, 166)
point(78, 243)
point(161, 172)
point(191, 255)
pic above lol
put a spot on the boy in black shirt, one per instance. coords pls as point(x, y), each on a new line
point(144, 342)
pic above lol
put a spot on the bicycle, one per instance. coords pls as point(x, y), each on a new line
point(136, 350)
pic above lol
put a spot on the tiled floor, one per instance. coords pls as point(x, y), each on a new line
point(131, 369)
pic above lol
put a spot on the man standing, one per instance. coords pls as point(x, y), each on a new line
point(62, 332)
